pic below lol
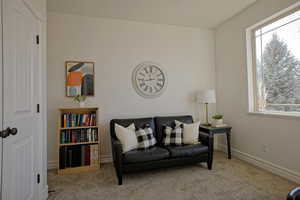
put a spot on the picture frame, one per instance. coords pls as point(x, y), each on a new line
point(80, 78)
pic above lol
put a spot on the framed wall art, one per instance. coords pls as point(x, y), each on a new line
point(80, 78)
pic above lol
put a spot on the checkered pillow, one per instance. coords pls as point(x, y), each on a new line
point(173, 136)
point(145, 138)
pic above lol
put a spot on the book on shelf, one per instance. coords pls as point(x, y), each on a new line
point(94, 155)
point(76, 156)
point(70, 120)
point(78, 135)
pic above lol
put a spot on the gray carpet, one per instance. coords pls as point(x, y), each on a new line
point(229, 180)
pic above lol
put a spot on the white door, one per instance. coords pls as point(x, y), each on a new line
point(1, 110)
point(21, 95)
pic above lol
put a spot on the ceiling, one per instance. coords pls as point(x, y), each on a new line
point(193, 13)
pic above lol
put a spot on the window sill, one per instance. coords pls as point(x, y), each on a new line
point(277, 115)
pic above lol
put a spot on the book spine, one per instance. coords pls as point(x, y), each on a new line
point(66, 157)
point(82, 155)
point(61, 158)
point(94, 154)
point(65, 120)
point(96, 134)
point(89, 135)
point(92, 159)
point(87, 155)
point(62, 137)
point(73, 136)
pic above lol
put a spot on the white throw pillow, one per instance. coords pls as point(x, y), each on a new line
point(190, 132)
point(127, 137)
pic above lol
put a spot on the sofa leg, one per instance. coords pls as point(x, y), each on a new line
point(119, 180)
point(209, 165)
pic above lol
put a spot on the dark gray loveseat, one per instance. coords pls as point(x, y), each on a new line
point(158, 156)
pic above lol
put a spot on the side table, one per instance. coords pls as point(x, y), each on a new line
point(211, 131)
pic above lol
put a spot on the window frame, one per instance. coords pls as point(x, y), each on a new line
point(251, 62)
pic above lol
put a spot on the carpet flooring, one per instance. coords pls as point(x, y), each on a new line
point(229, 180)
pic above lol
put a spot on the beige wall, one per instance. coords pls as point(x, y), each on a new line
point(117, 47)
point(280, 136)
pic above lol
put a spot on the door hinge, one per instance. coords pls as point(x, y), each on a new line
point(38, 108)
point(37, 39)
point(38, 178)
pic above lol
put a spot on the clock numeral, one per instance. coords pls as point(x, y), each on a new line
point(146, 70)
point(142, 74)
point(159, 85)
point(146, 88)
point(151, 89)
point(142, 84)
point(160, 79)
point(151, 68)
point(156, 89)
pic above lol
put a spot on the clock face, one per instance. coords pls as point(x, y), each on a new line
point(149, 80)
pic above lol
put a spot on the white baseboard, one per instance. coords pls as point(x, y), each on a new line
point(275, 169)
point(52, 164)
point(106, 159)
point(45, 193)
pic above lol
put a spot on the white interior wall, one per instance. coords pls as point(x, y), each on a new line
point(253, 134)
point(116, 47)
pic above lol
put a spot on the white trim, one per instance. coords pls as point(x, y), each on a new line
point(269, 166)
point(106, 159)
point(44, 195)
point(282, 115)
point(52, 164)
point(34, 10)
point(274, 16)
point(249, 50)
point(1, 95)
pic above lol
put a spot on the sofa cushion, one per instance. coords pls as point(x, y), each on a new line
point(138, 122)
point(145, 138)
point(187, 150)
point(127, 137)
point(190, 132)
point(160, 122)
point(173, 136)
point(154, 153)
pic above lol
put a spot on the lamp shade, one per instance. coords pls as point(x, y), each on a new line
point(206, 96)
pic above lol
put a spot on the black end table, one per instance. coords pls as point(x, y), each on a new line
point(210, 131)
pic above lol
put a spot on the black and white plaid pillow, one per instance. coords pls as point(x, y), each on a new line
point(173, 136)
point(145, 138)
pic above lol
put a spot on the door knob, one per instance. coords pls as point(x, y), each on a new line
point(9, 131)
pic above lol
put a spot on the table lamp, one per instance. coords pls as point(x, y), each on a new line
point(205, 97)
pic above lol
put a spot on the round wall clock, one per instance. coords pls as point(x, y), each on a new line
point(149, 80)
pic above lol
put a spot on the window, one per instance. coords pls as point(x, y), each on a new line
point(274, 63)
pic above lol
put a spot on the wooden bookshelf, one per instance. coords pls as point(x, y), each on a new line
point(78, 140)
point(78, 127)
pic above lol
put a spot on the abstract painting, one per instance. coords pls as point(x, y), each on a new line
point(79, 78)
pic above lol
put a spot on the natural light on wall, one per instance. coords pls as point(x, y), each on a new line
point(274, 63)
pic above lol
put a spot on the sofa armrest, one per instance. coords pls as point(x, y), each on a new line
point(204, 138)
point(116, 151)
point(207, 139)
point(294, 194)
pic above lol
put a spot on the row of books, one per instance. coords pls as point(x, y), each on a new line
point(78, 135)
point(74, 120)
point(75, 156)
